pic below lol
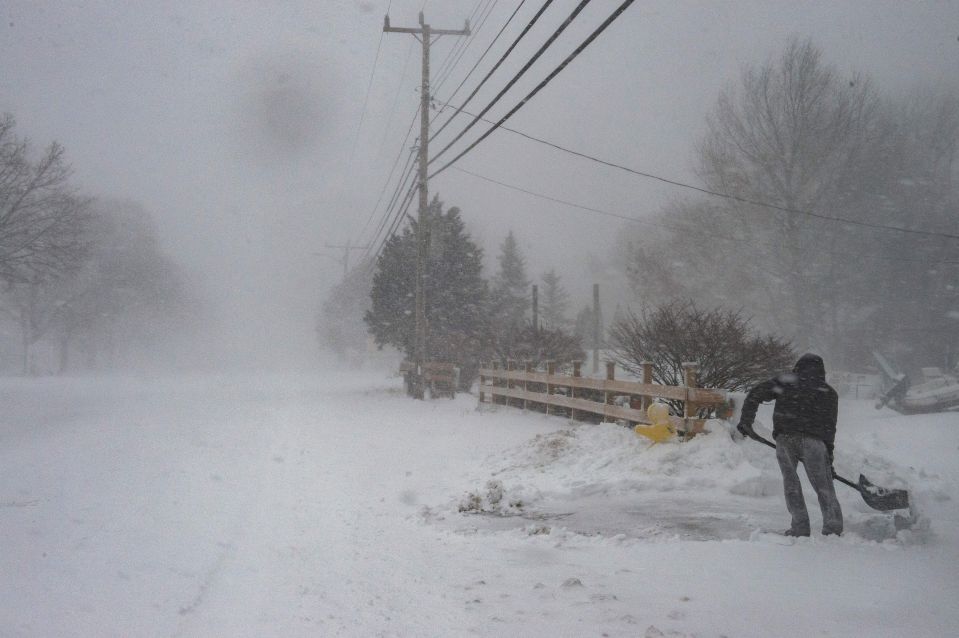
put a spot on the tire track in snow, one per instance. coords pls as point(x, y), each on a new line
point(192, 611)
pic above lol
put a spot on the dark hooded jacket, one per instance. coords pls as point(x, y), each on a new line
point(804, 402)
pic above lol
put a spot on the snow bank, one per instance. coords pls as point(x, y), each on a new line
point(716, 486)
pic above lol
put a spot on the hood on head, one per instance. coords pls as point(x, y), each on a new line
point(810, 367)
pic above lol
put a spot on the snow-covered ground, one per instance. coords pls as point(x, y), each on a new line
point(330, 506)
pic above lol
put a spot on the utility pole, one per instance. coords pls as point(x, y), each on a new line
point(535, 309)
point(597, 328)
point(346, 255)
point(424, 34)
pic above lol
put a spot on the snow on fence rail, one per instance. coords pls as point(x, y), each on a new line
point(576, 396)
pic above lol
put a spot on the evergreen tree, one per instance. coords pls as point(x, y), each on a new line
point(555, 302)
point(509, 298)
point(456, 293)
point(583, 328)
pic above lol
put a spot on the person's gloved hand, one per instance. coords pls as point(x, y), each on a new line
point(746, 430)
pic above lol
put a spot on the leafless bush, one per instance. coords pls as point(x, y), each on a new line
point(731, 355)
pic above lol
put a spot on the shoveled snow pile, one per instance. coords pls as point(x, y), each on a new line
point(713, 487)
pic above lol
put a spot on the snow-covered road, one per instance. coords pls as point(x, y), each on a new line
point(325, 506)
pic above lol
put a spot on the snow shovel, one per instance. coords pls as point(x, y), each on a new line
point(878, 498)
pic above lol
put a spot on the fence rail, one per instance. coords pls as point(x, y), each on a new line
point(440, 377)
point(509, 385)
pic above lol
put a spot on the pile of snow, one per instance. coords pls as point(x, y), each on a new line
point(609, 459)
point(716, 486)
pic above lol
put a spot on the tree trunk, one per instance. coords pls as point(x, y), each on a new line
point(25, 339)
point(65, 339)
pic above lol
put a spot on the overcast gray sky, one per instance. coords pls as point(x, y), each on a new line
point(234, 121)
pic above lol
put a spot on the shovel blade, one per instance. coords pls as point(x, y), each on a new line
point(882, 498)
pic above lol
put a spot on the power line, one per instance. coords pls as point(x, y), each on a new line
point(399, 215)
point(369, 85)
point(612, 17)
point(489, 73)
point(396, 99)
point(407, 172)
point(442, 77)
point(485, 11)
point(424, 33)
point(481, 58)
point(710, 235)
point(478, 9)
point(399, 153)
point(569, 19)
point(557, 200)
point(404, 172)
point(707, 191)
point(396, 160)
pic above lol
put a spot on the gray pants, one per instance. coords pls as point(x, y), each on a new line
point(790, 449)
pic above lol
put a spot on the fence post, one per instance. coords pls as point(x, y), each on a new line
point(610, 376)
point(482, 395)
point(510, 366)
point(550, 371)
point(577, 373)
point(690, 374)
point(647, 378)
point(527, 368)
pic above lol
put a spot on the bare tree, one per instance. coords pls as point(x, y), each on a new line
point(910, 293)
point(128, 298)
point(41, 216)
point(796, 134)
point(123, 297)
point(793, 134)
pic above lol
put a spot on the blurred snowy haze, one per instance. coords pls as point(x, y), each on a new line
point(237, 126)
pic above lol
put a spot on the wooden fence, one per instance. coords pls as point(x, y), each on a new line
point(576, 396)
point(440, 377)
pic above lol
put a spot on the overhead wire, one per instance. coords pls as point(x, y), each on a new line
point(390, 177)
point(398, 216)
point(369, 85)
point(709, 235)
point(542, 49)
point(479, 9)
point(409, 130)
point(706, 191)
point(582, 47)
point(480, 59)
point(499, 62)
point(388, 211)
point(407, 175)
point(396, 99)
point(460, 43)
point(485, 14)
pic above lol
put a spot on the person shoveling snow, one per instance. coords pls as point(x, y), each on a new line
point(804, 427)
